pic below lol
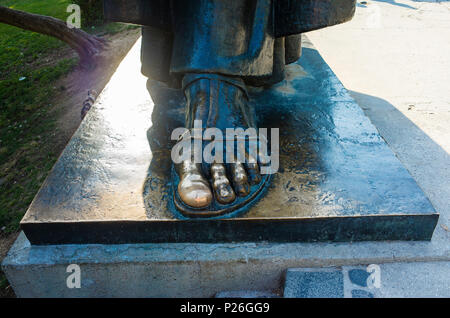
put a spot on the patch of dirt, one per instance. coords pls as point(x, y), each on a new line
point(53, 58)
point(69, 102)
point(5, 243)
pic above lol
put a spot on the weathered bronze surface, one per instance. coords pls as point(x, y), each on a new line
point(219, 102)
point(214, 49)
point(338, 180)
point(291, 16)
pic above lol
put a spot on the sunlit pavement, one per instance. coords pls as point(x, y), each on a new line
point(394, 58)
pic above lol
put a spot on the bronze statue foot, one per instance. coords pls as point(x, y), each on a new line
point(217, 188)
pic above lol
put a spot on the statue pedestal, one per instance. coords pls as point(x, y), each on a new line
point(338, 181)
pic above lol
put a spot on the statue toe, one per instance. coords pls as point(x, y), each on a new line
point(253, 171)
point(222, 187)
point(240, 179)
point(194, 191)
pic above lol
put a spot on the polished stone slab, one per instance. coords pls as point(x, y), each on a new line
point(338, 180)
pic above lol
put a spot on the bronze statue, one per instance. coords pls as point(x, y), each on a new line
point(213, 50)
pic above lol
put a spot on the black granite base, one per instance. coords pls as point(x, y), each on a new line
point(321, 229)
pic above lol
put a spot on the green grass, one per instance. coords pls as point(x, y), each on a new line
point(27, 84)
point(30, 66)
point(3, 283)
point(29, 71)
point(19, 48)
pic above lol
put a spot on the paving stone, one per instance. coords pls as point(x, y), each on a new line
point(314, 283)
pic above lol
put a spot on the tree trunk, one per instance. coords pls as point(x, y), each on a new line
point(87, 46)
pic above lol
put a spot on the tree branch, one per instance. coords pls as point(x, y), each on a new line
point(87, 46)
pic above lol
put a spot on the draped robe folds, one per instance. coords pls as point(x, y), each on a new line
point(250, 39)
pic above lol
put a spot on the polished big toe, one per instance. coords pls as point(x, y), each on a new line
point(194, 191)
